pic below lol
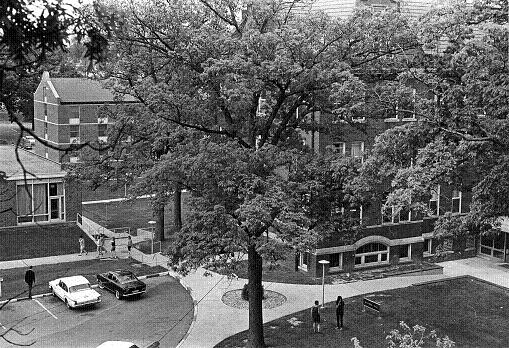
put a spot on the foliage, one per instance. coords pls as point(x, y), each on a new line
point(412, 337)
point(460, 139)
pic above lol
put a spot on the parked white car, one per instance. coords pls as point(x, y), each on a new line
point(75, 291)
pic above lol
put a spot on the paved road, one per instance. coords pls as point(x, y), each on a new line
point(164, 313)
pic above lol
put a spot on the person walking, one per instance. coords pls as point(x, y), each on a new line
point(113, 248)
point(315, 315)
point(30, 280)
point(82, 246)
point(340, 311)
point(129, 245)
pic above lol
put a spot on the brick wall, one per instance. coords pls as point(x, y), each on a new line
point(8, 203)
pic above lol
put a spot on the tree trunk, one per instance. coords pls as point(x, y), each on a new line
point(159, 215)
point(177, 206)
point(255, 337)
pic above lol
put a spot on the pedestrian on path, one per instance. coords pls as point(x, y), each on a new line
point(100, 245)
point(82, 246)
point(129, 245)
point(30, 280)
point(315, 315)
point(113, 248)
point(340, 311)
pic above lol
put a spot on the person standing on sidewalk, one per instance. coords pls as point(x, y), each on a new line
point(113, 248)
point(82, 246)
point(30, 280)
point(340, 311)
point(129, 245)
point(100, 245)
point(315, 315)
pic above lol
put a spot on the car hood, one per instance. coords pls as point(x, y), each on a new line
point(84, 295)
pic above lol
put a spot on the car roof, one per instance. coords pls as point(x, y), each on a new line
point(74, 280)
point(116, 344)
point(122, 272)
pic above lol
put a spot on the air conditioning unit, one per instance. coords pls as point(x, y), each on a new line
point(75, 140)
point(102, 120)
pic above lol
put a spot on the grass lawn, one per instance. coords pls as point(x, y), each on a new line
point(41, 240)
point(134, 214)
point(9, 132)
point(14, 283)
point(471, 312)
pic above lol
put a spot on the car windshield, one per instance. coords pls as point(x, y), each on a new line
point(79, 287)
point(126, 278)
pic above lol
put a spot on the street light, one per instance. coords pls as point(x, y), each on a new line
point(323, 263)
point(152, 223)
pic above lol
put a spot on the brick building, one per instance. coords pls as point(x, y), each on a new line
point(36, 193)
point(66, 111)
point(388, 238)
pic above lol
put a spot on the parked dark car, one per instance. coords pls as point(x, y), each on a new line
point(122, 283)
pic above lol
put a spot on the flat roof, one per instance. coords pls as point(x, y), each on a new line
point(36, 167)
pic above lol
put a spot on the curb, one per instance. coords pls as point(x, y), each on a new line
point(93, 286)
point(195, 307)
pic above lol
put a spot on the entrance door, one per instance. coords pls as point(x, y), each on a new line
point(55, 208)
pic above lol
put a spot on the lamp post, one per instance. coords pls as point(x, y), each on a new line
point(152, 227)
point(323, 263)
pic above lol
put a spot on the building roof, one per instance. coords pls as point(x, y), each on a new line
point(36, 167)
point(74, 90)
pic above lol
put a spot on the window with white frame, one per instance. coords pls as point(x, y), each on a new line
point(74, 134)
point(372, 253)
point(339, 147)
point(336, 262)
point(304, 260)
point(355, 213)
point(427, 246)
point(357, 150)
point(38, 202)
point(456, 202)
point(405, 252)
point(434, 202)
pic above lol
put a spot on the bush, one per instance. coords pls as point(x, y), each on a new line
point(245, 292)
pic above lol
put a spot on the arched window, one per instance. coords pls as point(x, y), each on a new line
point(372, 253)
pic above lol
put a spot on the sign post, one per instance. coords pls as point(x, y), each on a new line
point(375, 306)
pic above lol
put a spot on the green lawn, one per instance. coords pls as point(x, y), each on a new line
point(471, 312)
point(134, 214)
point(9, 132)
point(41, 240)
point(13, 284)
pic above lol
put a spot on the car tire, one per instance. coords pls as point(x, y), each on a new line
point(118, 295)
point(67, 304)
point(53, 292)
point(101, 285)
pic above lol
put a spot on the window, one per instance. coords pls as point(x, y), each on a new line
point(456, 202)
point(372, 253)
point(304, 260)
point(434, 202)
point(355, 213)
point(405, 252)
point(45, 100)
point(339, 147)
point(46, 130)
point(37, 202)
point(335, 261)
point(102, 130)
point(74, 114)
point(427, 246)
point(74, 134)
point(357, 150)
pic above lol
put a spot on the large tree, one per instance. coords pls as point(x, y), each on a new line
point(461, 101)
point(248, 77)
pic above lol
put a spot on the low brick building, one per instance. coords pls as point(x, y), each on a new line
point(35, 191)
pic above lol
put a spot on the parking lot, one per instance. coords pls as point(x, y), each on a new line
point(163, 314)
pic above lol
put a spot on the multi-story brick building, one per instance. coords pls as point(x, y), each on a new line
point(388, 237)
point(66, 112)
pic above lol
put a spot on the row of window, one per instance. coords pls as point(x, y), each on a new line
point(356, 149)
point(366, 255)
